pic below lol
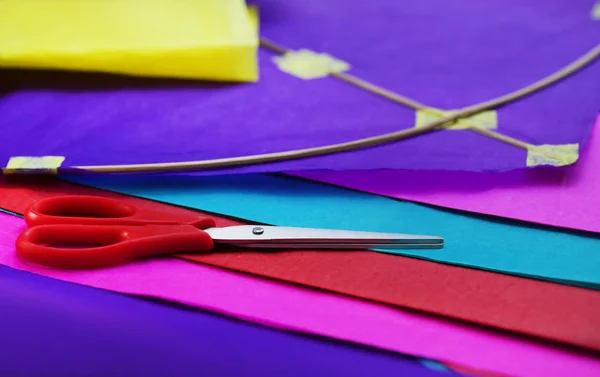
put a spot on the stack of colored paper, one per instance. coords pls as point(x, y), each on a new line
point(510, 183)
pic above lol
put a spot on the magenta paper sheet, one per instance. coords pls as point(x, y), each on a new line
point(294, 308)
point(566, 197)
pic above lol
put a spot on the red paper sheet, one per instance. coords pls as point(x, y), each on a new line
point(562, 313)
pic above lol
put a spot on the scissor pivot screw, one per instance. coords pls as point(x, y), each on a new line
point(258, 230)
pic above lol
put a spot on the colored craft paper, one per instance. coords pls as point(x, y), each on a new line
point(557, 312)
point(561, 197)
point(482, 242)
point(303, 310)
point(416, 48)
point(98, 333)
point(196, 39)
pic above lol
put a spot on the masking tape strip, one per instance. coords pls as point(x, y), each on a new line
point(484, 119)
point(309, 65)
point(595, 13)
point(37, 165)
point(553, 155)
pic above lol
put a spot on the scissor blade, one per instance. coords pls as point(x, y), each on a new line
point(289, 237)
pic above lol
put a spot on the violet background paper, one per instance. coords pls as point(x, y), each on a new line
point(444, 54)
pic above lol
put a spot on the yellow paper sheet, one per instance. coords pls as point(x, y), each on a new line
point(195, 39)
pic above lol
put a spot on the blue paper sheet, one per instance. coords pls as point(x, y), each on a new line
point(482, 242)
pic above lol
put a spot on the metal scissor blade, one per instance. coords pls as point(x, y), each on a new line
point(289, 237)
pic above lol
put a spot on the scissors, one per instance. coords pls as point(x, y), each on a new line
point(80, 232)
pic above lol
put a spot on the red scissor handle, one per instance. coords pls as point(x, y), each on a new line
point(109, 245)
point(97, 210)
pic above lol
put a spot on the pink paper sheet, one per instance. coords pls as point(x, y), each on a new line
point(294, 308)
point(565, 197)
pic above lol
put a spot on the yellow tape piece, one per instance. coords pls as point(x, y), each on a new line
point(485, 119)
point(26, 164)
point(595, 13)
point(309, 65)
point(553, 155)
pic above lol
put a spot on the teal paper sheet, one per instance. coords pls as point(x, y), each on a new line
point(477, 241)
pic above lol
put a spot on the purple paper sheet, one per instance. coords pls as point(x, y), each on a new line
point(445, 54)
point(73, 330)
